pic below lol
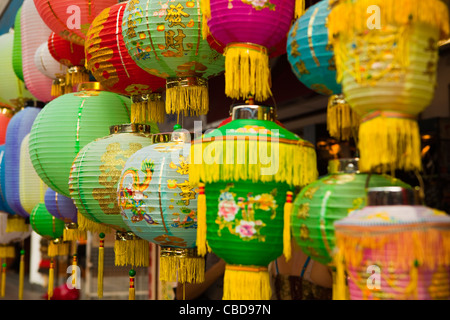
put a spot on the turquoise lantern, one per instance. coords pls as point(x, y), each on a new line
point(312, 60)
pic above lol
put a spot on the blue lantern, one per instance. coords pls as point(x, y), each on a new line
point(312, 60)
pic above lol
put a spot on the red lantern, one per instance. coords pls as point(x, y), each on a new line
point(71, 19)
point(72, 56)
point(6, 112)
point(111, 65)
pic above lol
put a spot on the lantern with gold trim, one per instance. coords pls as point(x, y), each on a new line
point(111, 65)
point(249, 170)
point(160, 205)
point(248, 29)
point(311, 57)
point(404, 244)
point(166, 41)
point(388, 73)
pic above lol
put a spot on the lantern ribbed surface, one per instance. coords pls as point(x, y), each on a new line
point(44, 224)
point(166, 41)
point(110, 63)
point(60, 206)
point(46, 64)
point(3, 203)
point(407, 244)
point(17, 47)
point(70, 19)
point(66, 125)
point(31, 188)
point(6, 113)
point(19, 127)
point(95, 176)
point(324, 201)
point(33, 33)
point(67, 53)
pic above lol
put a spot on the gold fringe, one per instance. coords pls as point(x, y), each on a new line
point(206, 15)
point(246, 283)
point(247, 72)
point(71, 234)
point(187, 100)
point(387, 144)
point(201, 221)
point(297, 164)
point(299, 8)
point(7, 251)
point(57, 89)
point(16, 223)
point(148, 111)
point(182, 269)
point(85, 224)
point(58, 248)
point(342, 121)
point(131, 252)
point(76, 76)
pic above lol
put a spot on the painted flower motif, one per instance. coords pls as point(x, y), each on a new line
point(246, 229)
point(266, 201)
point(260, 4)
point(228, 209)
point(172, 184)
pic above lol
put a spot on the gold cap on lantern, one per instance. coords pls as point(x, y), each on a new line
point(392, 196)
point(130, 128)
point(251, 111)
point(344, 165)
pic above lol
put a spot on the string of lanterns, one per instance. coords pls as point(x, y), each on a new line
point(85, 91)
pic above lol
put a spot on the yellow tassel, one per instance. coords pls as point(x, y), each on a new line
point(201, 220)
point(191, 100)
point(7, 251)
point(21, 273)
point(341, 282)
point(3, 279)
point(247, 71)
point(16, 223)
point(342, 121)
point(246, 283)
point(85, 224)
point(51, 274)
point(152, 109)
point(299, 8)
point(287, 226)
point(182, 269)
point(206, 15)
point(131, 292)
point(58, 248)
point(101, 257)
point(131, 252)
point(387, 143)
point(74, 234)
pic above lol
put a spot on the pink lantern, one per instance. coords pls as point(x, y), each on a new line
point(251, 30)
point(34, 32)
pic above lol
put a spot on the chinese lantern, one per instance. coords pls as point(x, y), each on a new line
point(17, 47)
point(159, 204)
point(48, 66)
point(73, 57)
point(67, 124)
point(93, 185)
point(3, 203)
point(18, 128)
point(33, 33)
point(329, 199)
point(165, 40)
point(111, 65)
point(394, 249)
point(312, 60)
point(31, 188)
point(388, 74)
point(248, 29)
point(70, 19)
point(249, 169)
point(6, 113)
point(12, 90)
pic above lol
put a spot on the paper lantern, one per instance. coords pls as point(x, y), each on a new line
point(158, 204)
point(17, 47)
point(165, 40)
point(312, 60)
point(66, 125)
point(31, 188)
point(47, 65)
point(329, 199)
point(6, 113)
point(70, 19)
point(388, 74)
point(250, 168)
point(248, 29)
point(394, 249)
point(33, 33)
point(72, 56)
point(3, 203)
point(12, 90)
point(18, 128)
point(110, 63)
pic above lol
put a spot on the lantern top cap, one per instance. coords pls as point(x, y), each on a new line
point(392, 195)
point(130, 128)
point(343, 165)
point(252, 111)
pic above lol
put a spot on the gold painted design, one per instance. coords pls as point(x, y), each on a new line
point(309, 193)
point(303, 211)
point(304, 233)
point(322, 89)
point(166, 240)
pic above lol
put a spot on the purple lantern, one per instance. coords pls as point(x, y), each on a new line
point(60, 206)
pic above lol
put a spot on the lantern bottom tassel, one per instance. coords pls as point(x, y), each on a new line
point(7, 251)
point(72, 232)
point(85, 224)
point(342, 121)
point(58, 248)
point(17, 224)
point(247, 71)
point(3, 287)
point(287, 251)
point(182, 269)
point(51, 275)
point(187, 96)
point(389, 141)
point(146, 108)
point(246, 283)
point(201, 220)
point(133, 252)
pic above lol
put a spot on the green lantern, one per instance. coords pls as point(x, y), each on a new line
point(93, 185)
point(327, 200)
point(17, 48)
point(67, 124)
point(247, 171)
